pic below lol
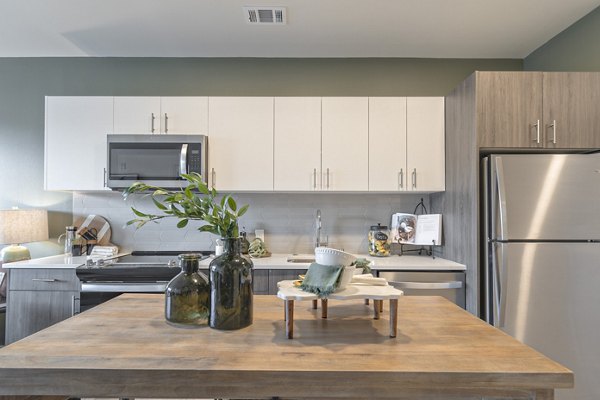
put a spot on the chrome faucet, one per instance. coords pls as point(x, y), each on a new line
point(318, 226)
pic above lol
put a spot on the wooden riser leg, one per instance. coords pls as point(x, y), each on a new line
point(289, 319)
point(376, 309)
point(393, 317)
point(315, 304)
point(323, 308)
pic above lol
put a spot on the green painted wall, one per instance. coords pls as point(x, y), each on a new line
point(25, 81)
point(577, 48)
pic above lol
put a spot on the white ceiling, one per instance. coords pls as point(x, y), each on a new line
point(316, 28)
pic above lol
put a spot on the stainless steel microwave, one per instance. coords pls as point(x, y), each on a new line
point(157, 160)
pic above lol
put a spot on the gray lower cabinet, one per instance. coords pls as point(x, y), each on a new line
point(265, 280)
point(38, 298)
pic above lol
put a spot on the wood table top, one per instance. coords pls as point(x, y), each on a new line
point(124, 348)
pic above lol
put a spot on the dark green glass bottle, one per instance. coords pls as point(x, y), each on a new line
point(231, 288)
point(187, 297)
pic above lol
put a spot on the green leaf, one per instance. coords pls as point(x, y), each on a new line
point(139, 213)
point(242, 210)
point(183, 223)
point(232, 204)
point(158, 204)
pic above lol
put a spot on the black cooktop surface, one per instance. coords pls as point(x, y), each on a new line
point(139, 266)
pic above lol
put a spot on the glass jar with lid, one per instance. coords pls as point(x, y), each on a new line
point(379, 241)
point(187, 297)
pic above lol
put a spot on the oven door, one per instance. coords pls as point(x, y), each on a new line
point(94, 293)
point(157, 160)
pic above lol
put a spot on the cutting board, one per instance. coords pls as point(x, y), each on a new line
point(98, 223)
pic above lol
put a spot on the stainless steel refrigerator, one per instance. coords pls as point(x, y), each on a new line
point(541, 221)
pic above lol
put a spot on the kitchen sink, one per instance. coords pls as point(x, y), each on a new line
point(301, 260)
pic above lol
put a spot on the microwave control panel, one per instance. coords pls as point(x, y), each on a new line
point(195, 158)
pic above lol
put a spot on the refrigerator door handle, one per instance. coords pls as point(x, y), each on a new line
point(501, 200)
point(501, 285)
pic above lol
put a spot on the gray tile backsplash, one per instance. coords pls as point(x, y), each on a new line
point(287, 218)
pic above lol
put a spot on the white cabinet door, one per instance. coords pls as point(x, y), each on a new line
point(137, 115)
point(240, 143)
point(345, 141)
point(75, 142)
point(387, 144)
point(297, 143)
point(425, 143)
point(184, 115)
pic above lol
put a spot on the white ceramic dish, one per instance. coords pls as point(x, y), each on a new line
point(329, 256)
point(346, 277)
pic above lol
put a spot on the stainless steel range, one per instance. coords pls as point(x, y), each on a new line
point(139, 272)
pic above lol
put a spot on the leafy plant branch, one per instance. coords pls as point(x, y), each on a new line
point(196, 202)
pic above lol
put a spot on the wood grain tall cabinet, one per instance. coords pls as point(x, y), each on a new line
point(506, 111)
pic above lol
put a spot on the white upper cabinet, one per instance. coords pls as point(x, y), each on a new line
point(425, 144)
point(387, 144)
point(297, 144)
point(137, 115)
point(184, 115)
point(75, 142)
point(345, 141)
point(161, 115)
point(240, 143)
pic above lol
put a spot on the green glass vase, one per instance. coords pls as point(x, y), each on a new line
point(231, 288)
point(187, 296)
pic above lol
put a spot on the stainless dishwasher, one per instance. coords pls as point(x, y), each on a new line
point(450, 285)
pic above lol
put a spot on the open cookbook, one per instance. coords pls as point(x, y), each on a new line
point(423, 229)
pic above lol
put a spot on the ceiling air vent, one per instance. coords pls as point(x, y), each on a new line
point(265, 15)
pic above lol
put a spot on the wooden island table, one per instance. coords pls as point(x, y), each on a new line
point(124, 348)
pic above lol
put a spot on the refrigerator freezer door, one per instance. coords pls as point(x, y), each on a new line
point(545, 197)
point(552, 304)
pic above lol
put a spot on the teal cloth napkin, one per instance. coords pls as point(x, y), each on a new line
point(322, 280)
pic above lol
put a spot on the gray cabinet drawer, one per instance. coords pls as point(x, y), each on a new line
point(43, 279)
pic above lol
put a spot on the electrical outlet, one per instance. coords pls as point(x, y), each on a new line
point(260, 233)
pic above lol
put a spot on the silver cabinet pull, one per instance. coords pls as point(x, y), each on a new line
point(104, 178)
point(152, 123)
point(327, 178)
point(213, 177)
point(183, 159)
point(553, 126)
point(537, 132)
point(315, 178)
point(414, 178)
point(45, 280)
point(400, 179)
point(75, 305)
point(427, 285)
point(166, 123)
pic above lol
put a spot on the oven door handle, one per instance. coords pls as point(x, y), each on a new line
point(107, 287)
point(427, 285)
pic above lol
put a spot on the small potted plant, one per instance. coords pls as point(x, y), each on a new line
point(230, 274)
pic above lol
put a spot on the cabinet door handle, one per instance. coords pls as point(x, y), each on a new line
point(166, 123)
point(537, 132)
point(213, 177)
point(152, 123)
point(401, 179)
point(315, 179)
point(327, 178)
point(104, 178)
point(553, 126)
point(75, 305)
point(45, 280)
point(414, 178)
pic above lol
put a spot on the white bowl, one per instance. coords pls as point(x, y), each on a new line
point(346, 278)
point(329, 256)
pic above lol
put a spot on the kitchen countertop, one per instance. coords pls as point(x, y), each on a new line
point(276, 261)
point(440, 350)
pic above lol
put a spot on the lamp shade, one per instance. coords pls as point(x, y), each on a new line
point(23, 226)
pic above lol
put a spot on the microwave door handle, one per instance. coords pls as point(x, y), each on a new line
point(183, 159)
